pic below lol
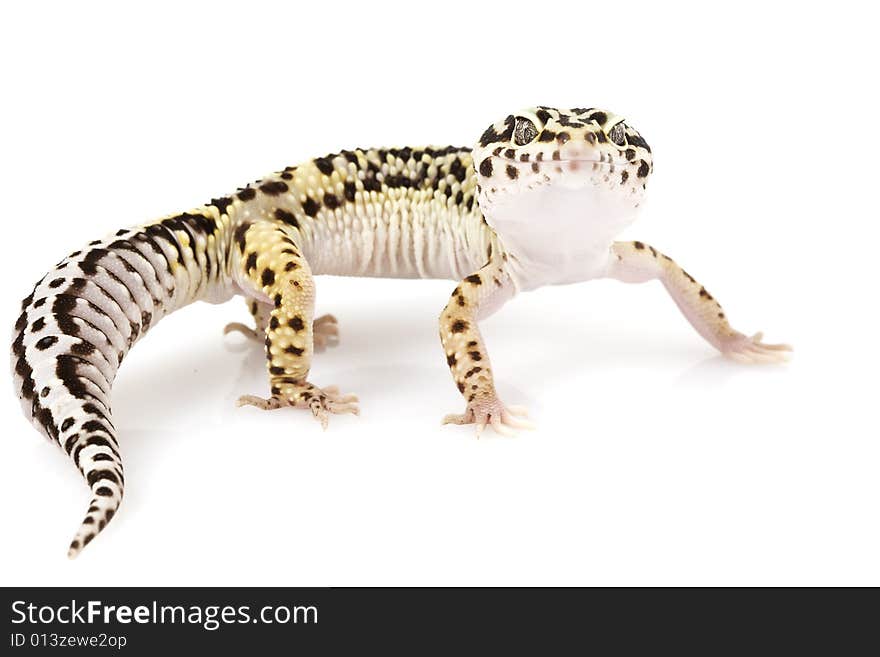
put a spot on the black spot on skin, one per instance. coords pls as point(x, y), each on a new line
point(349, 190)
point(563, 137)
point(287, 217)
point(491, 135)
point(71, 442)
point(274, 187)
point(486, 167)
point(267, 277)
point(240, 235)
point(94, 425)
point(474, 279)
point(630, 154)
point(547, 135)
point(296, 351)
point(58, 282)
point(460, 386)
point(67, 424)
point(475, 355)
point(221, 204)
point(624, 177)
point(36, 326)
point(653, 251)
point(103, 491)
point(277, 300)
point(543, 115)
point(101, 475)
point(45, 343)
point(331, 201)
point(451, 360)
point(273, 323)
point(524, 157)
point(290, 266)
point(536, 167)
point(274, 369)
point(247, 194)
point(512, 172)
point(472, 343)
point(310, 206)
point(251, 261)
point(636, 140)
point(324, 165)
point(639, 245)
point(82, 348)
point(296, 323)
point(286, 176)
point(598, 117)
point(643, 169)
point(459, 326)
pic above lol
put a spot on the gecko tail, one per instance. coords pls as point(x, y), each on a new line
point(81, 320)
point(106, 498)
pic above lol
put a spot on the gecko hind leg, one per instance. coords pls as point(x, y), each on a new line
point(269, 264)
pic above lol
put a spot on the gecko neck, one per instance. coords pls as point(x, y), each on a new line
point(556, 236)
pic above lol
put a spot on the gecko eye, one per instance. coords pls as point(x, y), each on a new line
point(617, 134)
point(524, 131)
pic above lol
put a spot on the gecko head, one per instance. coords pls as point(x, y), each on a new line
point(591, 158)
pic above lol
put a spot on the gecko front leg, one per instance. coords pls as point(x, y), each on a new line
point(476, 297)
point(325, 329)
point(636, 262)
point(271, 268)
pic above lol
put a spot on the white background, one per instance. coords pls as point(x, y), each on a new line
point(655, 461)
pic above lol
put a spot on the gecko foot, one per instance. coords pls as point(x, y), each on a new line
point(325, 332)
point(244, 329)
point(321, 401)
point(745, 349)
point(503, 419)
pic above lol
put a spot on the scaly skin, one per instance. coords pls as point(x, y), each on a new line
point(404, 212)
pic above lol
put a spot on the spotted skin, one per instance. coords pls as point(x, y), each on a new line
point(538, 201)
point(269, 265)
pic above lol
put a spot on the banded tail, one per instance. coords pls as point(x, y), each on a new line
point(82, 318)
